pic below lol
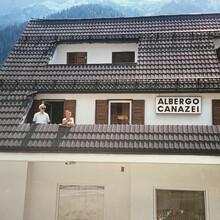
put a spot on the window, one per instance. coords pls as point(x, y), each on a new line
point(77, 58)
point(123, 57)
point(180, 205)
point(120, 112)
point(216, 112)
point(81, 202)
point(218, 53)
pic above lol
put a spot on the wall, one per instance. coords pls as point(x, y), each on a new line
point(12, 190)
point(41, 197)
point(145, 178)
point(128, 195)
point(87, 101)
point(97, 53)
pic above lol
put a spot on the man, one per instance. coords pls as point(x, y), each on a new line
point(41, 117)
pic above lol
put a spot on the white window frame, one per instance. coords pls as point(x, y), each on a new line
point(119, 101)
point(206, 202)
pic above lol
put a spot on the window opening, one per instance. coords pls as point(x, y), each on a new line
point(120, 113)
point(180, 205)
point(55, 111)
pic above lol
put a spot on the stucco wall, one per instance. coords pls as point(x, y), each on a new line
point(87, 101)
point(145, 178)
point(41, 198)
point(12, 190)
point(128, 195)
point(97, 53)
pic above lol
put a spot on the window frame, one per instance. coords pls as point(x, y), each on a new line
point(120, 101)
point(205, 191)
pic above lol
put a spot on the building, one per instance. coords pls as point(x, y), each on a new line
point(145, 96)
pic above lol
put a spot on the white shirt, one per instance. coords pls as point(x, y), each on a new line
point(41, 118)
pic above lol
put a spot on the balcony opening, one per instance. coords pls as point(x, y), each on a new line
point(55, 111)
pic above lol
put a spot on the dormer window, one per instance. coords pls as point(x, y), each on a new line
point(95, 53)
point(76, 58)
point(123, 57)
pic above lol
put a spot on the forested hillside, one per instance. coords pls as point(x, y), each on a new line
point(8, 38)
point(10, 34)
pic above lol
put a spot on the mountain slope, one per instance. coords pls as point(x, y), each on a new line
point(87, 11)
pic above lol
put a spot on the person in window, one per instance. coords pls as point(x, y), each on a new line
point(41, 117)
point(68, 121)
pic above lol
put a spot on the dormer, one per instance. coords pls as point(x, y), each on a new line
point(95, 53)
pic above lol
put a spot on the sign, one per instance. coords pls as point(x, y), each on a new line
point(178, 105)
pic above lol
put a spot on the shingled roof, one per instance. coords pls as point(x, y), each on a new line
point(174, 50)
point(142, 139)
point(175, 54)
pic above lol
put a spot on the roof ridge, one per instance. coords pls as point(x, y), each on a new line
point(117, 18)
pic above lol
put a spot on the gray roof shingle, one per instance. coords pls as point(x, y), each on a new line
point(170, 47)
point(165, 139)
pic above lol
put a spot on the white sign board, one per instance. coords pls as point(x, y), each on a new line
point(178, 105)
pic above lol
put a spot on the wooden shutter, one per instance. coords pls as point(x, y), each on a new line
point(34, 108)
point(77, 58)
point(123, 57)
point(101, 112)
point(81, 58)
point(138, 112)
point(71, 106)
point(216, 112)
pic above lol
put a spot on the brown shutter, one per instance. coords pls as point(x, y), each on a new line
point(138, 112)
point(34, 108)
point(71, 105)
point(77, 58)
point(101, 112)
point(216, 112)
point(81, 58)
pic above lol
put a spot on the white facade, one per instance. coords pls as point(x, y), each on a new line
point(97, 53)
point(85, 107)
point(128, 195)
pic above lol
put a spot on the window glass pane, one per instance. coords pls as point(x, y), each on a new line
point(81, 202)
point(180, 205)
point(120, 113)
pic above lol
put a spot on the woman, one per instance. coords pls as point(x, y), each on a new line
point(68, 121)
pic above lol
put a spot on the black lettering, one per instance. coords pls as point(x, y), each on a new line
point(196, 101)
point(167, 109)
point(180, 109)
point(188, 101)
point(173, 108)
point(160, 101)
point(160, 109)
point(181, 101)
point(187, 108)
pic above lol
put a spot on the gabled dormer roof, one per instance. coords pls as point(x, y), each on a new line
point(170, 48)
